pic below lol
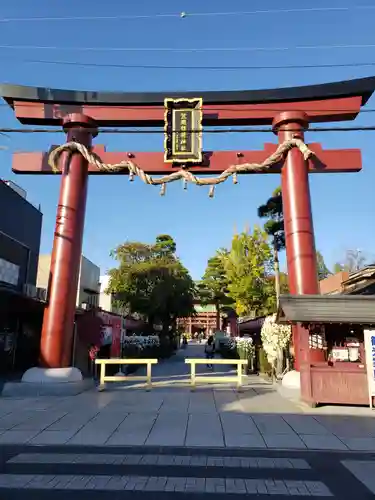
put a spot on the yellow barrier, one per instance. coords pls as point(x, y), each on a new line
point(200, 361)
point(124, 361)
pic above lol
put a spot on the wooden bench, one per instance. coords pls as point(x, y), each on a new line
point(200, 361)
point(124, 361)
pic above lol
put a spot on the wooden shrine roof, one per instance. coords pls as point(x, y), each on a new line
point(354, 309)
point(362, 87)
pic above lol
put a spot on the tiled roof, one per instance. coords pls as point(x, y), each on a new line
point(356, 309)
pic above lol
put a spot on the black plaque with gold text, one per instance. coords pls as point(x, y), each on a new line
point(183, 130)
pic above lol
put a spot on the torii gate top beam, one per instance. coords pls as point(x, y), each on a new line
point(323, 103)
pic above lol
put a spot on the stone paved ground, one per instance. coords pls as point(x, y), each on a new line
point(172, 415)
point(215, 420)
point(37, 473)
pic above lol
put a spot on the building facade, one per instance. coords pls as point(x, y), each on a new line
point(204, 321)
point(20, 310)
point(20, 232)
point(88, 282)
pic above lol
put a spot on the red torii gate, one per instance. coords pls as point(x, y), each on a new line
point(288, 110)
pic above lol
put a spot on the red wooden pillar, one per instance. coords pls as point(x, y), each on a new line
point(58, 321)
point(299, 231)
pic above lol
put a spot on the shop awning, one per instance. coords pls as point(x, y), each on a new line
point(355, 309)
point(253, 325)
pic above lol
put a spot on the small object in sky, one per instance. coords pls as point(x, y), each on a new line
point(183, 14)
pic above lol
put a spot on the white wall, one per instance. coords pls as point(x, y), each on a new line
point(89, 278)
point(105, 300)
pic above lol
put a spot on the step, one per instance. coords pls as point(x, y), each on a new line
point(34, 474)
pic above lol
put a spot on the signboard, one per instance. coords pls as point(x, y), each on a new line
point(369, 336)
point(183, 130)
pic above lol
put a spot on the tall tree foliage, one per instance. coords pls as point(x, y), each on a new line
point(213, 288)
point(151, 281)
point(323, 271)
point(248, 265)
point(274, 227)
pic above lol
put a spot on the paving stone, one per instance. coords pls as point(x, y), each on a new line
point(199, 435)
point(48, 437)
point(116, 483)
point(17, 437)
point(359, 443)
point(98, 482)
point(318, 489)
point(175, 484)
point(198, 461)
point(78, 483)
point(235, 486)
point(276, 487)
point(214, 485)
point(40, 421)
point(328, 442)
point(136, 483)
point(297, 488)
point(284, 441)
point(363, 470)
point(240, 440)
point(42, 482)
point(272, 424)
point(305, 424)
point(15, 480)
point(161, 460)
point(256, 486)
point(195, 484)
point(156, 484)
point(168, 430)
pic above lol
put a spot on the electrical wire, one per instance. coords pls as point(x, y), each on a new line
point(205, 131)
point(199, 68)
point(188, 14)
point(184, 50)
point(217, 107)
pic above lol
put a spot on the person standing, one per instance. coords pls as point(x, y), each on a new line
point(209, 350)
point(93, 354)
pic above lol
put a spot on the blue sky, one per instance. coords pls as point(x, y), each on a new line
point(343, 207)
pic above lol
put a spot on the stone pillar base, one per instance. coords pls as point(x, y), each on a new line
point(48, 382)
point(292, 380)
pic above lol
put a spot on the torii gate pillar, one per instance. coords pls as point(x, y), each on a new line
point(298, 223)
point(57, 332)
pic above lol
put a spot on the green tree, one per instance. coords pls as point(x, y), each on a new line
point(213, 288)
point(165, 245)
point(248, 266)
point(323, 271)
point(274, 227)
point(151, 281)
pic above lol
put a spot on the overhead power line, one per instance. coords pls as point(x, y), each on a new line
point(205, 131)
point(199, 68)
point(217, 108)
point(188, 14)
point(197, 49)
